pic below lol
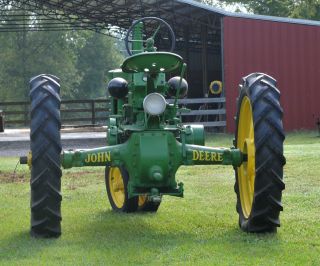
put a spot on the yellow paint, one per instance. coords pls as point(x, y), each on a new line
point(142, 199)
point(116, 186)
point(206, 156)
point(93, 157)
point(247, 170)
point(100, 157)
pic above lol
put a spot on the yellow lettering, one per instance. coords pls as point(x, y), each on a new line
point(100, 157)
point(213, 156)
point(87, 160)
point(195, 155)
point(93, 158)
point(108, 156)
point(201, 155)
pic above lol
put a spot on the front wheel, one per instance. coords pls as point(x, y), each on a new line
point(147, 204)
point(117, 179)
point(259, 136)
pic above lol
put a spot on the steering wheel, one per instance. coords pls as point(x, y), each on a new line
point(161, 22)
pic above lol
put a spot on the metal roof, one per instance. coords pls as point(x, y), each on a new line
point(101, 15)
point(276, 19)
point(249, 16)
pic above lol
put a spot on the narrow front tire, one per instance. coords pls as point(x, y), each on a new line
point(117, 179)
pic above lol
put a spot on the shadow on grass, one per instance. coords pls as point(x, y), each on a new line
point(109, 232)
point(21, 245)
point(143, 231)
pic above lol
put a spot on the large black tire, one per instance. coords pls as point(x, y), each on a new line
point(117, 179)
point(259, 194)
point(46, 149)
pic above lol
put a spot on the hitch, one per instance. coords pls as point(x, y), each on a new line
point(26, 159)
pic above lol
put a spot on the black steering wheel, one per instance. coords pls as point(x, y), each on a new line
point(161, 21)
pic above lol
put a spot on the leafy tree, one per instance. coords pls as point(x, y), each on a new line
point(308, 9)
point(26, 54)
point(80, 59)
point(265, 7)
point(95, 59)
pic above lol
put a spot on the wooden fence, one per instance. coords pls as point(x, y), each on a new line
point(73, 112)
point(207, 111)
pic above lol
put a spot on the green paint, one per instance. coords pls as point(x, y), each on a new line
point(152, 159)
point(151, 148)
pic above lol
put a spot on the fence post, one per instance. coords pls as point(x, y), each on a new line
point(93, 113)
point(26, 112)
point(1, 121)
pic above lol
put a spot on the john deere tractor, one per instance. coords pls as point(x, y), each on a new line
point(147, 141)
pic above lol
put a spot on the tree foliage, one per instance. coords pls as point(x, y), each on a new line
point(97, 56)
point(307, 9)
point(80, 59)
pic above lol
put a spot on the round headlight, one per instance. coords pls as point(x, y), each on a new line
point(154, 104)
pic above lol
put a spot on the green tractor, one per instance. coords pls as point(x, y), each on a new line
point(147, 141)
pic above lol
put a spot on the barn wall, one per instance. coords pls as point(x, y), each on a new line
point(288, 52)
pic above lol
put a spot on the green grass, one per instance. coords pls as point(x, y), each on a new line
point(200, 229)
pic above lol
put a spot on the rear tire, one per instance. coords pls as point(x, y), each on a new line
point(45, 148)
point(260, 135)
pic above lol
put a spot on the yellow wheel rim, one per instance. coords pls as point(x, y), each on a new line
point(116, 186)
point(247, 170)
point(142, 200)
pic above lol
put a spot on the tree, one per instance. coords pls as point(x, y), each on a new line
point(308, 9)
point(79, 58)
point(95, 59)
point(265, 7)
point(25, 54)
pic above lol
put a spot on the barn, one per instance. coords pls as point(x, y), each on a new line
point(219, 45)
point(287, 49)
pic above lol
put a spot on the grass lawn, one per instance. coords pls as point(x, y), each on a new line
point(201, 229)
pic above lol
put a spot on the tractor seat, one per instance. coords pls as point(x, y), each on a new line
point(152, 62)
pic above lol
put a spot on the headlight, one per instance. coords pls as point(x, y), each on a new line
point(154, 104)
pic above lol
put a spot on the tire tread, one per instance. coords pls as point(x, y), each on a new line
point(269, 136)
point(46, 148)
